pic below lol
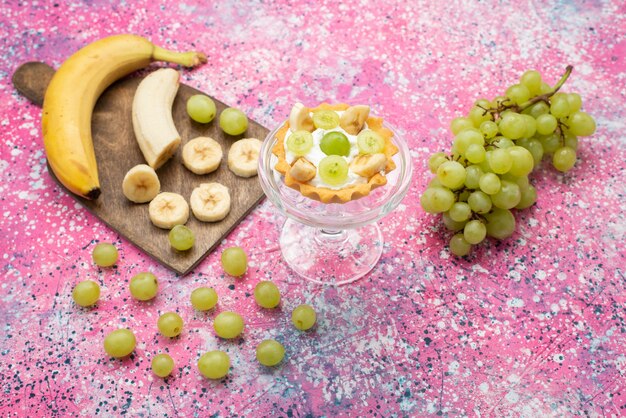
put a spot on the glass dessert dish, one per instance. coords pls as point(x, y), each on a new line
point(333, 243)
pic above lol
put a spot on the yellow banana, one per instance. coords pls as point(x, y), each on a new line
point(73, 92)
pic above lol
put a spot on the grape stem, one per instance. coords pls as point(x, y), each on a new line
point(546, 96)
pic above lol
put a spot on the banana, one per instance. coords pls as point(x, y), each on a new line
point(367, 165)
point(141, 184)
point(299, 118)
point(210, 202)
point(73, 92)
point(167, 210)
point(202, 155)
point(302, 170)
point(353, 119)
point(243, 157)
point(153, 123)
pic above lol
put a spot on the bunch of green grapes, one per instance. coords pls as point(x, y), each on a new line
point(496, 147)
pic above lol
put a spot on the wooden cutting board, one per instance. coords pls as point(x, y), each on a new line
point(117, 151)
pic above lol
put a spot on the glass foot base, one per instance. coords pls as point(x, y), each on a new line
point(331, 257)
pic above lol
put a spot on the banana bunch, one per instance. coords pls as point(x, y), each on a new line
point(72, 93)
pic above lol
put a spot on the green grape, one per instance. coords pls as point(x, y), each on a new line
point(460, 211)
point(170, 324)
point(479, 202)
point(559, 107)
point(303, 317)
point(522, 160)
point(475, 153)
point(325, 119)
point(546, 124)
point(434, 182)
point(489, 183)
point(538, 109)
point(451, 174)
point(478, 115)
point(500, 161)
point(181, 238)
point(532, 80)
point(104, 255)
point(550, 143)
point(162, 365)
point(545, 88)
point(436, 160)
point(466, 138)
point(233, 121)
point(270, 352)
point(518, 93)
point(144, 286)
point(234, 261)
point(575, 102)
point(201, 108)
point(460, 124)
point(474, 232)
point(450, 223)
point(86, 293)
point(483, 103)
point(499, 101)
point(335, 143)
point(500, 223)
point(333, 170)
point(119, 343)
point(502, 142)
point(564, 159)
point(459, 246)
point(266, 294)
point(528, 198)
point(300, 142)
point(508, 196)
point(530, 124)
point(228, 325)
point(489, 129)
point(204, 298)
point(521, 181)
point(437, 199)
point(472, 176)
point(370, 142)
point(512, 126)
point(581, 124)
point(214, 364)
point(570, 140)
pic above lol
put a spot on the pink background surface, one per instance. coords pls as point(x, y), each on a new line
point(533, 326)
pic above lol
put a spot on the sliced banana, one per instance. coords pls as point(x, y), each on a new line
point(303, 170)
point(141, 184)
point(353, 119)
point(168, 210)
point(367, 165)
point(243, 157)
point(210, 202)
point(300, 119)
point(202, 155)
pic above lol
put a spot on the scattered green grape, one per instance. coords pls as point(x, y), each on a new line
point(325, 119)
point(214, 364)
point(233, 121)
point(235, 261)
point(119, 343)
point(86, 293)
point(300, 142)
point(267, 294)
point(104, 255)
point(335, 143)
point(144, 286)
point(170, 324)
point(333, 170)
point(204, 298)
point(162, 365)
point(181, 238)
point(370, 142)
point(228, 325)
point(303, 317)
point(201, 108)
point(270, 352)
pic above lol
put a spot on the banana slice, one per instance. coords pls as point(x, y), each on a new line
point(202, 155)
point(299, 118)
point(210, 202)
point(141, 184)
point(168, 210)
point(353, 119)
point(243, 157)
point(367, 165)
point(303, 170)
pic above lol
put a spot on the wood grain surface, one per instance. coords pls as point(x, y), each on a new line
point(117, 151)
